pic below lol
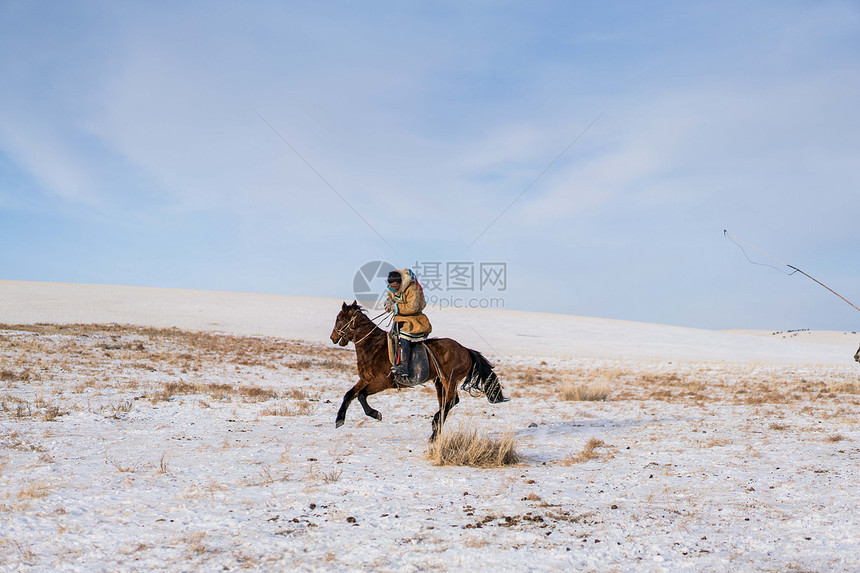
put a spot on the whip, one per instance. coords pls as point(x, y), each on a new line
point(794, 269)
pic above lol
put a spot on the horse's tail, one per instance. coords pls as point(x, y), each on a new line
point(482, 379)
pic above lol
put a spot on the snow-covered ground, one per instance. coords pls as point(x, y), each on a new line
point(213, 447)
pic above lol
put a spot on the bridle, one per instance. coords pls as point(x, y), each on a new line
point(341, 332)
point(351, 323)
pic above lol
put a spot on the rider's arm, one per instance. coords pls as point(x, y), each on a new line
point(409, 305)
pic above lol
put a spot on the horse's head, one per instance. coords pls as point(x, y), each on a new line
point(857, 355)
point(344, 325)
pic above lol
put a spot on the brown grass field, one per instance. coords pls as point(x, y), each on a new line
point(587, 450)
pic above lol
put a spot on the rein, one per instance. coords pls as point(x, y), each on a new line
point(352, 324)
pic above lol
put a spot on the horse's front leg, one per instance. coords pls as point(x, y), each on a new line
point(362, 399)
point(347, 398)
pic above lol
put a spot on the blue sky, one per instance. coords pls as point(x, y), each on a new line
point(133, 150)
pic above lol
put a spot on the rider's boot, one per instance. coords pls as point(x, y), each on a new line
point(401, 370)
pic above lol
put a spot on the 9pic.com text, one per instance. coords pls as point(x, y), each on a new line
point(443, 302)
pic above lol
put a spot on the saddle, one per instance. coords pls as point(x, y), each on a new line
point(419, 365)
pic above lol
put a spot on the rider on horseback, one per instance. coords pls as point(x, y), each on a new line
point(406, 300)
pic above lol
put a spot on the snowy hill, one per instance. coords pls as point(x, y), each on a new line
point(494, 332)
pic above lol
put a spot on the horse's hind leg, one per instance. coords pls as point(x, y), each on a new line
point(446, 402)
point(347, 398)
point(440, 417)
point(437, 418)
point(362, 399)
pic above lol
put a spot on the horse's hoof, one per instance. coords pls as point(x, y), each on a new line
point(378, 416)
point(338, 423)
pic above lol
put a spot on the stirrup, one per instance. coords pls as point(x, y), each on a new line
point(400, 372)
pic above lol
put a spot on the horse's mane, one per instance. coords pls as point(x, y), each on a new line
point(363, 313)
point(358, 307)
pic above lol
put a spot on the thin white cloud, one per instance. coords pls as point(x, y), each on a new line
point(430, 123)
point(756, 145)
point(43, 150)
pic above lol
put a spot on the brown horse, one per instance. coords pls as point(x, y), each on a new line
point(456, 363)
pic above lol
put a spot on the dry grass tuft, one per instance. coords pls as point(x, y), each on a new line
point(256, 394)
point(338, 365)
point(35, 490)
point(301, 364)
point(835, 438)
point(317, 475)
point(196, 542)
point(464, 446)
point(845, 388)
point(586, 454)
point(332, 475)
point(767, 396)
point(655, 378)
point(216, 391)
point(11, 376)
point(51, 413)
point(717, 443)
point(163, 464)
point(121, 466)
point(300, 409)
point(588, 392)
point(533, 377)
point(296, 394)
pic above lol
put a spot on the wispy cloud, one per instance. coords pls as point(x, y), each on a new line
point(44, 152)
point(430, 120)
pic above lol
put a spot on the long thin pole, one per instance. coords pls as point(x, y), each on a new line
point(822, 284)
point(792, 267)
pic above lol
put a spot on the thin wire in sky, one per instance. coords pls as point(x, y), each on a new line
point(484, 339)
point(535, 180)
point(342, 198)
point(732, 238)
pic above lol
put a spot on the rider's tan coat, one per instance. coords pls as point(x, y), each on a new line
point(408, 303)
